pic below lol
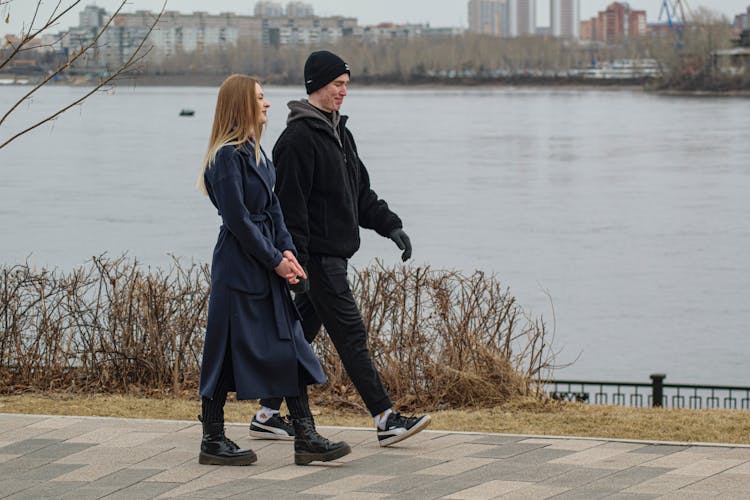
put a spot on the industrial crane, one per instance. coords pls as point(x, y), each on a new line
point(674, 10)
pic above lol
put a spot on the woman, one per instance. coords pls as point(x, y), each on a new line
point(254, 343)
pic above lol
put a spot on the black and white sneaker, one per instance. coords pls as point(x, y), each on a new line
point(398, 428)
point(276, 427)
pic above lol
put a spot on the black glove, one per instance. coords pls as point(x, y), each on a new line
point(402, 242)
point(302, 286)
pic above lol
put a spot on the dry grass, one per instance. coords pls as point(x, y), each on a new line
point(529, 417)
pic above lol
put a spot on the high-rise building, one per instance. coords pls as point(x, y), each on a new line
point(522, 17)
point(565, 18)
point(506, 18)
point(490, 17)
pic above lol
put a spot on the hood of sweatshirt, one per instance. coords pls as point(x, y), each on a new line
point(303, 110)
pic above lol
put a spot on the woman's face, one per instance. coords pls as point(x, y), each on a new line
point(263, 105)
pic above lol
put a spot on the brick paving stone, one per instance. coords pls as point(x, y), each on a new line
point(494, 439)
point(508, 450)
point(360, 495)
point(591, 456)
point(718, 484)
point(460, 450)
point(57, 422)
point(533, 456)
point(707, 467)
point(27, 446)
point(630, 496)
point(286, 473)
point(141, 491)
point(662, 484)
point(676, 460)
point(167, 459)
point(241, 487)
point(8, 486)
point(743, 468)
point(45, 490)
point(396, 485)
point(510, 471)
point(576, 476)
point(488, 490)
point(408, 465)
point(660, 449)
point(534, 492)
point(457, 466)
point(624, 479)
point(352, 483)
point(623, 460)
point(123, 478)
point(21, 467)
point(585, 492)
point(564, 444)
point(57, 451)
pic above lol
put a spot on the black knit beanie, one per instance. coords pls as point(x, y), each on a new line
point(321, 68)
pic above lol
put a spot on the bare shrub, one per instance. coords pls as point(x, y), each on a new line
point(443, 339)
point(439, 338)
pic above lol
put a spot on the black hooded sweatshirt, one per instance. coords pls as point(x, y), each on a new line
point(323, 187)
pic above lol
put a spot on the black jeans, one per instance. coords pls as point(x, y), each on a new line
point(330, 303)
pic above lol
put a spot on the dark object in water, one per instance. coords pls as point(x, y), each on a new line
point(187, 112)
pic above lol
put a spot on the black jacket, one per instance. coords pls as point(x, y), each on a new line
point(323, 187)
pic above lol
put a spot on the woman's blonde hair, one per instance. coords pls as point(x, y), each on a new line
point(237, 118)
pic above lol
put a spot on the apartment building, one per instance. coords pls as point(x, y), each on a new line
point(503, 18)
point(565, 18)
point(617, 22)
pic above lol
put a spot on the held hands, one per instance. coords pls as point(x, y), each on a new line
point(402, 242)
point(290, 269)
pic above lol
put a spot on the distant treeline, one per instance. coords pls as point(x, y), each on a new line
point(685, 63)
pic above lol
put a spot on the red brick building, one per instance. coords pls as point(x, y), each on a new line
point(617, 22)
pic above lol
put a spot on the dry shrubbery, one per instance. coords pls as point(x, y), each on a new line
point(439, 338)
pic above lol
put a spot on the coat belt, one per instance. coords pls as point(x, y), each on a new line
point(279, 295)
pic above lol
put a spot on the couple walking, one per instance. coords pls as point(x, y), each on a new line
point(293, 223)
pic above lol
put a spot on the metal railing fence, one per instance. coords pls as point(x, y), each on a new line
point(656, 394)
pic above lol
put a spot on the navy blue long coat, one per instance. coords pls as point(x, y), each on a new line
point(250, 310)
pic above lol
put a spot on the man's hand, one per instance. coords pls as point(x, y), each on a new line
point(302, 285)
point(402, 242)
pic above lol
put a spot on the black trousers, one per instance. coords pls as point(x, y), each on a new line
point(330, 303)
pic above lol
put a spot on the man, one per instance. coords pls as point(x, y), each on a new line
point(325, 195)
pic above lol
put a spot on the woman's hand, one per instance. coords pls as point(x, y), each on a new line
point(287, 270)
point(298, 268)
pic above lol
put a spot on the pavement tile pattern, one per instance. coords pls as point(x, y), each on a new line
point(90, 458)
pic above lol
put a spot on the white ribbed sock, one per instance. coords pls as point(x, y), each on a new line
point(264, 414)
point(381, 419)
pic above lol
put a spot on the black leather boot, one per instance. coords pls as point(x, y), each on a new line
point(217, 449)
point(309, 445)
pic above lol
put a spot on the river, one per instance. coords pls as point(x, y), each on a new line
point(619, 216)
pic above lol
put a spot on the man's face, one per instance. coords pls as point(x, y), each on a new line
point(331, 97)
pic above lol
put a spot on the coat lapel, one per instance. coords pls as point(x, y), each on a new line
point(249, 151)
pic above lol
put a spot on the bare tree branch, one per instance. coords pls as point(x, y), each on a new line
point(63, 67)
point(28, 36)
point(127, 67)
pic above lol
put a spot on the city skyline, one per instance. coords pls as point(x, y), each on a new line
point(452, 13)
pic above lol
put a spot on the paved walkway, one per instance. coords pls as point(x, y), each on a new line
point(81, 457)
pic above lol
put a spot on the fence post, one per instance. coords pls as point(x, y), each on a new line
point(657, 389)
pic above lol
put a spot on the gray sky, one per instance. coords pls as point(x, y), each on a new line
point(443, 13)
